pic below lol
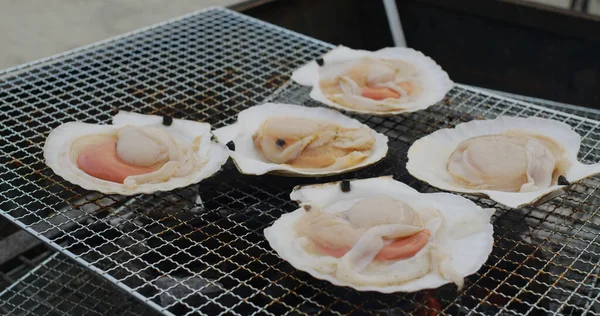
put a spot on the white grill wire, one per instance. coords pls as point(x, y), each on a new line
point(183, 257)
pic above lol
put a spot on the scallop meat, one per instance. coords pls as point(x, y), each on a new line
point(135, 154)
point(389, 81)
point(514, 161)
point(381, 235)
point(296, 140)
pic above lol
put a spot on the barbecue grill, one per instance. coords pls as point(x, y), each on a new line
point(200, 249)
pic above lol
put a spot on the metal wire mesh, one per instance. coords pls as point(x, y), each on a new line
point(58, 287)
point(201, 249)
point(590, 113)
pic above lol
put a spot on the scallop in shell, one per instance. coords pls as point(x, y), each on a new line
point(300, 141)
point(389, 81)
point(381, 235)
point(136, 154)
point(515, 161)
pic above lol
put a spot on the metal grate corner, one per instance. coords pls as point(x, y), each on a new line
point(57, 286)
point(201, 249)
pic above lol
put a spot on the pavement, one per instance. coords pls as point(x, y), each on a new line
point(33, 29)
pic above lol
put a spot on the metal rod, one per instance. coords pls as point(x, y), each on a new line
point(391, 11)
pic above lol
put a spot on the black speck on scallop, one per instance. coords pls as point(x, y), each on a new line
point(280, 143)
point(320, 61)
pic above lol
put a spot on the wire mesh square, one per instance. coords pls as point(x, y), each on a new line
point(201, 249)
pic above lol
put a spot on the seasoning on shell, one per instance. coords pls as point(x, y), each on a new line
point(563, 181)
point(167, 120)
point(231, 146)
point(345, 185)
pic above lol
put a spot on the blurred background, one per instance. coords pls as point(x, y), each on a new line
point(542, 48)
point(33, 29)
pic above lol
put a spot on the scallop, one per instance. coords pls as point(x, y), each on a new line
point(295, 140)
point(381, 235)
point(514, 161)
point(135, 154)
point(389, 81)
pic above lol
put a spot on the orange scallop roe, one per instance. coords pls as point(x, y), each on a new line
point(399, 249)
point(382, 93)
point(101, 161)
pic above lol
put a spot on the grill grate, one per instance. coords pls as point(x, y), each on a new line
point(58, 287)
point(182, 252)
point(563, 107)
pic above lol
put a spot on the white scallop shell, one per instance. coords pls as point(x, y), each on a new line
point(468, 250)
point(249, 161)
point(435, 80)
point(58, 144)
point(428, 156)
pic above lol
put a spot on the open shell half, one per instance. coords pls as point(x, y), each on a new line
point(429, 156)
point(61, 152)
point(460, 238)
point(428, 83)
point(249, 159)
